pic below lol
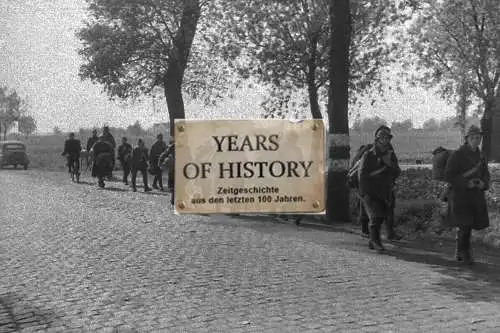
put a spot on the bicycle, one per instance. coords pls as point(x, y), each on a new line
point(74, 168)
point(85, 160)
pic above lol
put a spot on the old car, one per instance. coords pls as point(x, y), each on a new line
point(13, 153)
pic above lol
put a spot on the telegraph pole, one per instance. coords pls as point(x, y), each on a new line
point(338, 116)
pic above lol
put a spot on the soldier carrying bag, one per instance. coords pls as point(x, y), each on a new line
point(440, 157)
point(166, 160)
point(352, 174)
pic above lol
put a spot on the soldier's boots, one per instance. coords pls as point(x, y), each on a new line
point(375, 242)
point(467, 253)
point(463, 249)
point(458, 251)
point(459, 245)
point(365, 230)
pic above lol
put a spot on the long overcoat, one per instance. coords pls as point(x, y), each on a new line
point(124, 153)
point(139, 160)
point(103, 159)
point(467, 207)
point(376, 181)
point(154, 155)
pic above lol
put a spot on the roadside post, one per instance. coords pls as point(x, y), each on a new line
point(250, 166)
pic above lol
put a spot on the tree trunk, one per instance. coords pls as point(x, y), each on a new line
point(179, 55)
point(338, 138)
point(495, 131)
point(313, 101)
point(173, 95)
point(311, 81)
point(487, 126)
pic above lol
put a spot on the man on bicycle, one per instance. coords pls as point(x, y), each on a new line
point(72, 149)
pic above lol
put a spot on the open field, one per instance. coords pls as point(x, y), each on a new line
point(414, 145)
point(45, 151)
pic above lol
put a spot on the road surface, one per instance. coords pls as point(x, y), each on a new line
point(75, 258)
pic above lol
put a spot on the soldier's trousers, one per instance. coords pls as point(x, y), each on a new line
point(463, 238)
point(171, 184)
point(364, 220)
point(158, 178)
point(126, 170)
point(144, 173)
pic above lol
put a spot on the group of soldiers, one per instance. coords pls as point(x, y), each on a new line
point(374, 172)
point(132, 159)
point(466, 174)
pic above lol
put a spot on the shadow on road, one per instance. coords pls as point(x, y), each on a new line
point(161, 194)
point(273, 220)
point(84, 182)
point(476, 283)
point(16, 314)
point(116, 189)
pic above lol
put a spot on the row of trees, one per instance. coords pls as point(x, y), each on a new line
point(14, 110)
point(134, 130)
point(455, 45)
point(370, 124)
point(133, 47)
point(365, 125)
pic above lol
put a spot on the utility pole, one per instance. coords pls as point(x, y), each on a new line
point(338, 116)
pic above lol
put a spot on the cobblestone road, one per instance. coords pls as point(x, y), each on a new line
point(74, 258)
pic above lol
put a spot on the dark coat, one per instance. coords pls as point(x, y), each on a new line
point(103, 159)
point(72, 147)
point(124, 152)
point(467, 207)
point(170, 154)
point(108, 137)
point(101, 147)
point(91, 141)
point(139, 160)
point(156, 150)
point(376, 181)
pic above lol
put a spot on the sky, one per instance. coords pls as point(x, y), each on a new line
point(40, 58)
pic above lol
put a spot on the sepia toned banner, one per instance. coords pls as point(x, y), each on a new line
point(249, 166)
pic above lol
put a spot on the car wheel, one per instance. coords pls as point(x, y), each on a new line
point(26, 167)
